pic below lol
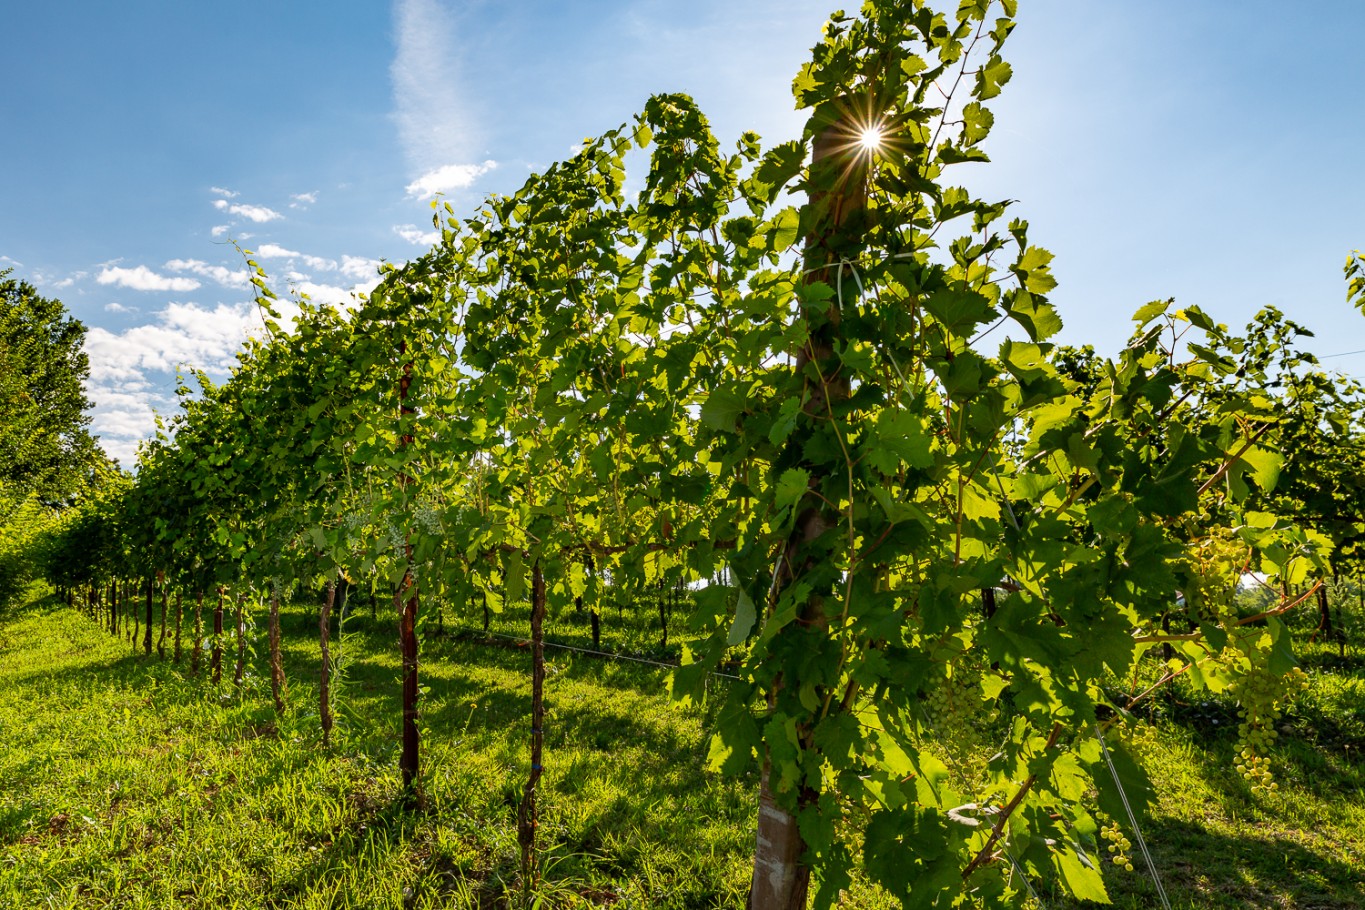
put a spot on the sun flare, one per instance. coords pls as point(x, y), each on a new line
point(870, 139)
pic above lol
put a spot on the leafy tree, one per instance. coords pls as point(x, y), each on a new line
point(45, 447)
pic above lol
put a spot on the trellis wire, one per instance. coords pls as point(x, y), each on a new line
point(1132, 819)
point(606, 654)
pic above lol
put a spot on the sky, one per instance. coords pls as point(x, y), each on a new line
point(1198, 149)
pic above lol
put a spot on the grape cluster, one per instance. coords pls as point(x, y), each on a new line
point(396, 537)
point(955, 697)
point(428, 520)
point(1119, 845)
point(1261, 696)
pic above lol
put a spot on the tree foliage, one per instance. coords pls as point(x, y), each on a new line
point(45, 447)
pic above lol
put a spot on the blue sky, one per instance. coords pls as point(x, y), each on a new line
point(1204, 150)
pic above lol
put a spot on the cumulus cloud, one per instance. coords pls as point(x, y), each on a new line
point(275, 251)
point(226, 194)
point(144, 279)
point(129, 369)
point(257, 213)
point(303, 200)
point(124, 415)
point(228, 278)
point(359, 267)
point(219, 230)
point(69, 280)
point(324, 293)
point(413, 234)
point(446, 178)
point(182, 333)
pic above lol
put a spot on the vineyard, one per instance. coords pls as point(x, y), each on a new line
point(749, 540)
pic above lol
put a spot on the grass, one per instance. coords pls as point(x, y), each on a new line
point(124, 783)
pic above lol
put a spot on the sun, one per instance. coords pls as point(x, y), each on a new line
point(870, 139)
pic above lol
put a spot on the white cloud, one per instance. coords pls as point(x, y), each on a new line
point(433, 126)
point(182, 333)
point(219, 230)
point(303, 200)
point(275, 251)
point(69, 280)
point(448, 177)
point(226, 194)
point(413, 234)
point(228, 278)
point(144, 279)
point(127, 367)
point(257, 213)
point(324, 293)
point(359, 267)
point(118, 308)
point(130, 370)
point(9, 261)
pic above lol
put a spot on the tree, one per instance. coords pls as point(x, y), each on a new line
point(45, 448)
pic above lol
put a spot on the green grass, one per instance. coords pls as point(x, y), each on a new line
point(124, 783)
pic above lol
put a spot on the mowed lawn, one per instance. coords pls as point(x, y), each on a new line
point(125, 783)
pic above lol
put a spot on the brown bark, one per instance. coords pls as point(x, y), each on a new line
point(241, 641)
point(526, 812)
point(216, 661)
point(179, 615)
point(780, 879)
point(198, 648)
point(1324, 614)
point(665, 607)
point(165, 602)
point(277, 683)
point(325, 684)
point(409, 763)
point(147, 635)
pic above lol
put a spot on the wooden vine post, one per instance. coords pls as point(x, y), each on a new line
point(526, 812)
point(216, 661)
point(179, 615)
point(325, 679)
point(165, 599)
point(277, 681)
point(198, 647)
point(147, 634)
point(238, 670)
point(405, 598)
point(838, 173)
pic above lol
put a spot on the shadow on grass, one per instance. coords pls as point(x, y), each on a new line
point(1234, 872)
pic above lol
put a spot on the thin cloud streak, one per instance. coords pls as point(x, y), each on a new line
point(434, 126)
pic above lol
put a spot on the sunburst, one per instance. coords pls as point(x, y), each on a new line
point(871, 138)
